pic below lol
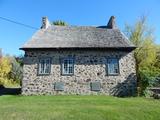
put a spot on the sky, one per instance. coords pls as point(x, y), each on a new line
point(74, 12)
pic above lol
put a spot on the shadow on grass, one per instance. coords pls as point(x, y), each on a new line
point(10, 91)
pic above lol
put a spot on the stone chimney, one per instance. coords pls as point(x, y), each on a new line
point(0, 53)
point(111, 23)
point(45, 23)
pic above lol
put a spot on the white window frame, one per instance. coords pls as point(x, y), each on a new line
point(67, 69)
point(44, 66)
point(112, 66)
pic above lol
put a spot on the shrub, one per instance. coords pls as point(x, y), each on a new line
point(150, 77)
point(16, 72)
point(10, 71)
point(148, 93)
point(5, 68)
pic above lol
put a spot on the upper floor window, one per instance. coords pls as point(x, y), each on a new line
point(44, 66)
point(67, 66)
point(112, 66)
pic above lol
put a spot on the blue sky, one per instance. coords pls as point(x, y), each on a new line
point(75, 12)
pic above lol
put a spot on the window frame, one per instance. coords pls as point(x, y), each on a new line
point(62, 66)
point(50, 62)
point(107, 67)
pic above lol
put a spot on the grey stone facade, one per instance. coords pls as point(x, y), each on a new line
point(89, 68)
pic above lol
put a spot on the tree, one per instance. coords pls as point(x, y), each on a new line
point(19, 59)
point(60, 23)
point(10, 70)
point(5, 68)
point(157, 64)
point(16, 72)
point(141, 35)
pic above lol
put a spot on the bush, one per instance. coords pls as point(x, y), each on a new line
point(5, 68)
point(150, 77)
point(16, 72)
point(148, 93)
point(10, 71)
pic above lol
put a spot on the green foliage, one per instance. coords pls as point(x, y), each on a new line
point(147, 59)
point(142, 37)
point(60, 23)
point(157, 63)
point(149, 77)
point(16, 72)
point(148, 93)
point(19, 59)
point(5, 68)
point(10, 71)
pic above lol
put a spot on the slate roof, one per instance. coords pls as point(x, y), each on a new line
point(78, 37)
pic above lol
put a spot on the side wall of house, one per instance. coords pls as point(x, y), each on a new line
point(89, 67)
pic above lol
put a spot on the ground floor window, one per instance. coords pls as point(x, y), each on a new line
point(112, 66)
point(44, 66)
point(67, 66)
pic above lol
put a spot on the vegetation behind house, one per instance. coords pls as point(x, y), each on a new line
point(10, 71)
point(147, 54)
point(60, 23)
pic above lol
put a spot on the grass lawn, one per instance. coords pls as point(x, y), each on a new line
point(78, 108)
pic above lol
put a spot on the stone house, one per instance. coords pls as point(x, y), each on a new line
point(81, 60)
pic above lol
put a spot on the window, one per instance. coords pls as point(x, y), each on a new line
point(112, 66)
point(67, 66)
point(44, 66)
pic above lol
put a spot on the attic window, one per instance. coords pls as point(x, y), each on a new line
point(112, 66)
point(44, 66)
point(67, 66)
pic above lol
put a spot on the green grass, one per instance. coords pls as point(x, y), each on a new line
point(78, 108)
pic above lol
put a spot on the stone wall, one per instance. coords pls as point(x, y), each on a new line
point(89, 67)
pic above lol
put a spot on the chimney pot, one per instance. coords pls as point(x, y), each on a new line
point(45, 23)
point(111, 23)
point(0, 53)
